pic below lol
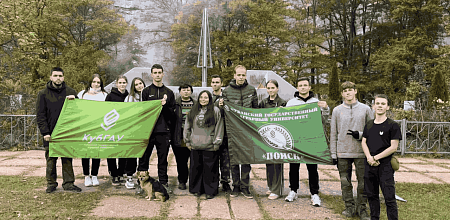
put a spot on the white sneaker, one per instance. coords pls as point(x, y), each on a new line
point(87, 181)
point(315, 200)
point(291, 196)
point(129, 184)
point(95, 181)
point(273, 196)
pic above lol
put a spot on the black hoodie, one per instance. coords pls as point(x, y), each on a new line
point(116, 95)
point(49, 105)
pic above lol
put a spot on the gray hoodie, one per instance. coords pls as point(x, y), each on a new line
point(201, 137)
point(348, 117)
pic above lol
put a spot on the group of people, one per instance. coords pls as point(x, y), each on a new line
point(197, 133)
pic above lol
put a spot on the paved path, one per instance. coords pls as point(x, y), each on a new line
point(184, 205)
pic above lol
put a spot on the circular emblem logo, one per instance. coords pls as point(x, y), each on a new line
point(276, 136)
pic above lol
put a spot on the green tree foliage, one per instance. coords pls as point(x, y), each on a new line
point(334, 92)
point(439, 88)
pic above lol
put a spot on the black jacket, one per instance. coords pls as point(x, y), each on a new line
point(242, 95)
point(116, 95)
point(267, 103)
point(167, 118)
point(49, 105)
point(177, 133)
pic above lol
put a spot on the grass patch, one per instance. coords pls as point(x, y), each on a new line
point(19, 197)
point(425, 201)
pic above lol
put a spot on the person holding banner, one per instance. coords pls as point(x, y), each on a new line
point(203, 133)
point(164, 125)
point(274, 172)
point(96, 92)
point(183, 105)
point(117, 95)
point(137, 85)
point(240, 93)
point(49, 104)
point(304, 95)
point(380, 140)
point(347, 123)
point(224, 156)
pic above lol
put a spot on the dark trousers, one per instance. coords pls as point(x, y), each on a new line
point(224, 161)
point(161, 141)
point(204, 175)
point(241, 175)
point(130, 166)
point(182, 155)
point(95, 166)
point(345, 174)
point(313, 177)
point(275, 178)
point(67, 170)
point(374, 178)
point(115, 170)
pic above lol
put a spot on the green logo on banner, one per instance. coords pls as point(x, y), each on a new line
point(93, 129)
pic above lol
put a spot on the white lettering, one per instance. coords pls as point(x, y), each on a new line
point(86, 137)
point(289, 155)
point(100, 136)
point(283, 156)
point(112, 138)
point(119, 138)
point(92, 138)
point(276, 155)
point(296, 157)
point(270, 156)
point(106, 135)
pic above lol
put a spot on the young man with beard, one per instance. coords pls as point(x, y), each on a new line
point(183, 105)
point(301, 97)
point(48, 106)
point(224, 158)
point(242, 94)
point(347, 123)
point(380, 141)
point(161, 131)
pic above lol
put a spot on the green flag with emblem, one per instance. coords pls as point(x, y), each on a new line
point(94, 129)
point(276, 135)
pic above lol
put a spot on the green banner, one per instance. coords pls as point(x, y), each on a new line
point(276, 135)
point(93, 129)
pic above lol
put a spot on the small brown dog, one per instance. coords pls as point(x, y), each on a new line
point(154, 189)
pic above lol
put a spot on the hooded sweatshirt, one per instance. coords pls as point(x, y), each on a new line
point(202, 137)
point(49, 105)
point(116, 95)
point(298, 100)
point(348, 117)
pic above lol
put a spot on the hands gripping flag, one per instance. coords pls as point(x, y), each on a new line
point(92, 129)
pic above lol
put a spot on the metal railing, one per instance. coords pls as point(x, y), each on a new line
point(19, 131)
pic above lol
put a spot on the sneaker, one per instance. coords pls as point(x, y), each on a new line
point(363, 215)
point(115, 181)
point(235, 192)
point(169, 190)
point(73, 188)
point(268, 192)
point(273, 196)
point(95, 181)
point(349, 212)
point(291, 196)
point(182, 186)
point(130, 183)
point(209, 196)
point(122, 180)
point(226, 187)
point(50, 189)
point(246, 193)
point(315, 200)
point(87, 181)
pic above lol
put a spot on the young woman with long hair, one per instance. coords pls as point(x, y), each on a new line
point(94, 91)
point(203, 134)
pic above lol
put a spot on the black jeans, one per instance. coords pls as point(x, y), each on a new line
point(313, 177)
point(182, 155)
point(67, 170)
point(94, 168)
point(376, 177)
point(130, 166)
point(161, 140)
point(114, 170)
